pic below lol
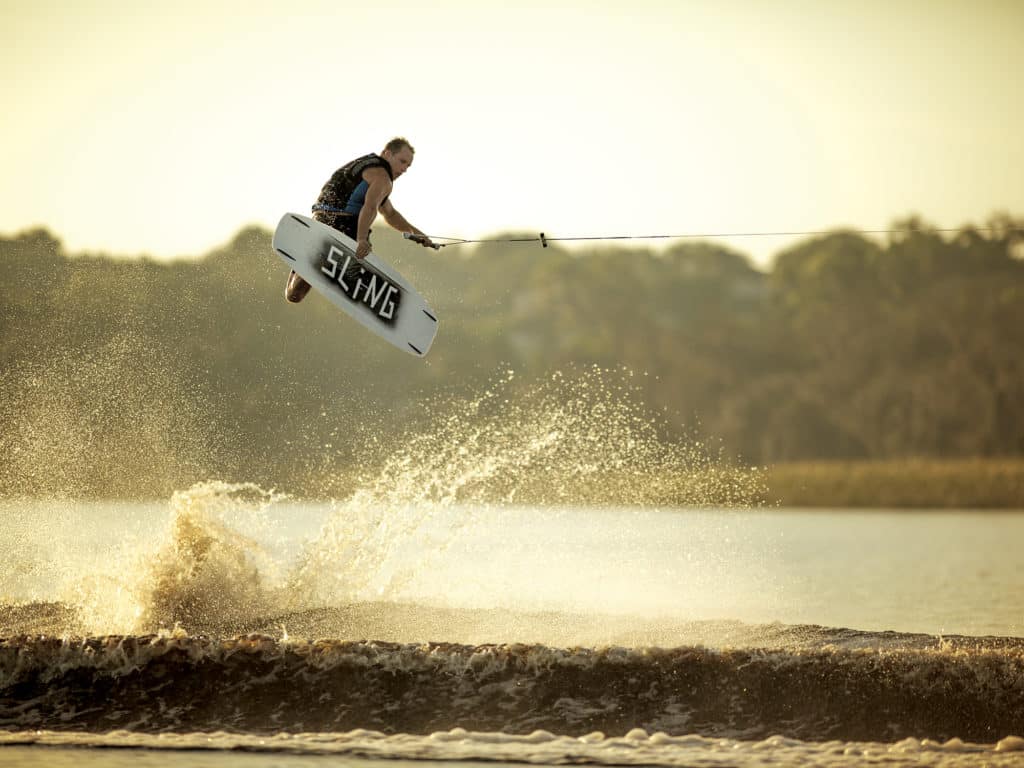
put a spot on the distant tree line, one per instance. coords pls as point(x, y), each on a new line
point(132, 376)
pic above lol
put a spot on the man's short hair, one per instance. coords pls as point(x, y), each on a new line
point(397, 144)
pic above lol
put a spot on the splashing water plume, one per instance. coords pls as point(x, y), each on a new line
point(212, 575)
point(203, 575)
point(569, 440)
point(216, 565)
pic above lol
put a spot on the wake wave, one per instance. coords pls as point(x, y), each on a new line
point(258, 684)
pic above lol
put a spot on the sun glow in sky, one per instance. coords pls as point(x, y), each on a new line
point(162, 128)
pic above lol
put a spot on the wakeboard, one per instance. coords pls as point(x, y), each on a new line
point(370, 291)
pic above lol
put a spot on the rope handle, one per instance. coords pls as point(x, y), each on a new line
point(422, 240)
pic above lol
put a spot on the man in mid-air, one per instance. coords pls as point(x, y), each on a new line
point(352, 197)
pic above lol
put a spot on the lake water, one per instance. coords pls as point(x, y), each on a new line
point(262, 631)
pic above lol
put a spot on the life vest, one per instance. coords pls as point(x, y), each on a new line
point(345, 191)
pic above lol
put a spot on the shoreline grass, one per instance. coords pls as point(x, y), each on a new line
point(909, 483)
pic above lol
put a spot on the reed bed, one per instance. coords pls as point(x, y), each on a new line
point(912, 483)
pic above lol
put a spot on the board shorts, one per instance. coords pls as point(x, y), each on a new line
point(347, 223)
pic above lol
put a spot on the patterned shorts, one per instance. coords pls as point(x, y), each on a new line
point(343, 222)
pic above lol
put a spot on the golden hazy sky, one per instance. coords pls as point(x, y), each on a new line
point(136, 126)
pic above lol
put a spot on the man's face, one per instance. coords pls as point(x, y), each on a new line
point(399, 161)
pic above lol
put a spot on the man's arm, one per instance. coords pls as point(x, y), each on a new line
point(378, 187)
point(399, 222)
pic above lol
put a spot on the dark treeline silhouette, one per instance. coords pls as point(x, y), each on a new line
point(133, 376)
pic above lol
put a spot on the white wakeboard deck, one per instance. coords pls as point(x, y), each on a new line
point(370, 291)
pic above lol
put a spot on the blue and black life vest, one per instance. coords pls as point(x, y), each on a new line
point(345, 191)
